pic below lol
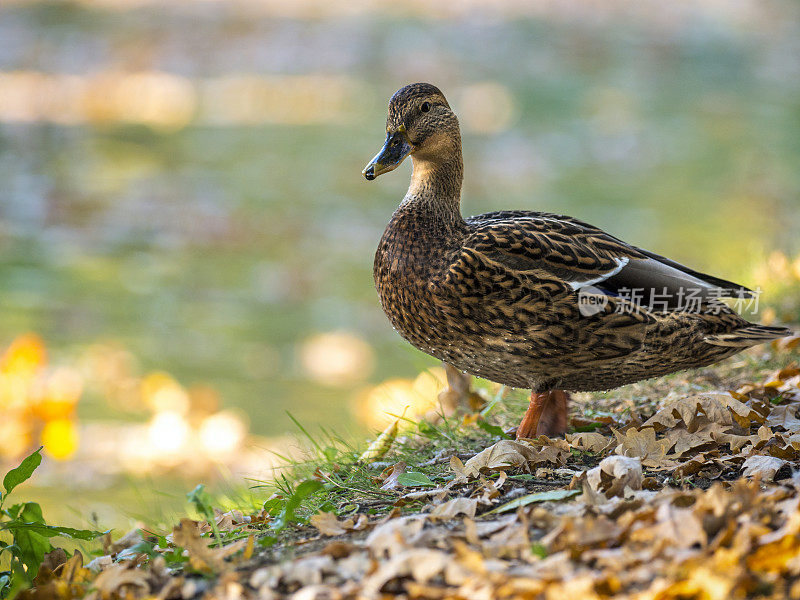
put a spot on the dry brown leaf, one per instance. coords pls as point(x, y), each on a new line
point(589, 441)
point(73, 570)
point(683, 442)
point(491, 489)
point(550, 451)
point(680, 527)
point(784, 417)
point(421, 564)
point(362, 523)
point(614, 475)
point(328, 524)
point(787, 372)
point(695, 411)
point(100, 563)
point(644, 445)
point(389, 475)
point(577, 534)
point(764, 467)
point(54, 559)
point(787, 343)
point(338, 549)
point(435, 494)
point(482, 529)
point(502, 455)
point(736, 442)
point(453, 508)
point(118, 577)
point(775, 557)
point(701, 582)
point(394, 535)
point(529, 454)
point(459, 469)
point(233, 519)
point(187, 535)
point(690, 467)
point(589, 496)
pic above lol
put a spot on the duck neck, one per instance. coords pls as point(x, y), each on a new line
point(436, 185)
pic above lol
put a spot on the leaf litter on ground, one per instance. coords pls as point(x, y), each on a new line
point(695, 496)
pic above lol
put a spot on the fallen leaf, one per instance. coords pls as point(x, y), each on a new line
point(776, 556)
point(394, 535)
point(381, 444)
point(695, 411)
point(421, 564)
point(679, 527)
point(249, 547)
point(644, 445)
point(118, 577)
point(338, 549)
point(784, 417)
point(491, 489)
point(459, 469)
point(436, 494)
point(228, 521)
point(684, 442)
point(389, 476)
point(328, 524)
point(615, 475)
point(588, 441)
point(453, 508)
point(203, 558)
point(736, 442)
point(765, 467)
point(503, 454)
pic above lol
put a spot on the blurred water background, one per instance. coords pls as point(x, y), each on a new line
point(184, 224)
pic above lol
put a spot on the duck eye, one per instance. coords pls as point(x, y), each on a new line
point(425, 107)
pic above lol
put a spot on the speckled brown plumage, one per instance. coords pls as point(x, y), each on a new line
point(497, 295)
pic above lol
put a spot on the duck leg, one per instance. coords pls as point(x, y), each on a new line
point(546, 415)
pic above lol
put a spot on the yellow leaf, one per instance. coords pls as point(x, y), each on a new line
point(327, 524)
point(381, 445)
point(248, 549)
point(60, 438)
point(775, 557)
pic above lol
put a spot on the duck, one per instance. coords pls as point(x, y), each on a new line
point(534, 300)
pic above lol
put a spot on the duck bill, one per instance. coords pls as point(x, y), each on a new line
point(389, 158)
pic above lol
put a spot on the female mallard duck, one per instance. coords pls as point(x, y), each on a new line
point(529, 299)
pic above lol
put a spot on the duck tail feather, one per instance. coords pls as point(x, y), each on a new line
point(751, 335)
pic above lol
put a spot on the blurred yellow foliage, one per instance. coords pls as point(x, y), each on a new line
point(161, 393)
point(24, 356)
point(60, 438)
point(418, 398)
point(37, 402)
point(169, 101)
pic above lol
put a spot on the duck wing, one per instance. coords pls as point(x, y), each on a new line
point(580, 255)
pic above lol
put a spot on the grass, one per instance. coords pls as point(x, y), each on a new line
point(345, 485)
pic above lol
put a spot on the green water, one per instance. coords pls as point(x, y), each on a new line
point(212, 251)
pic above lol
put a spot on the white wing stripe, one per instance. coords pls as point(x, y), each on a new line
point(621, 262)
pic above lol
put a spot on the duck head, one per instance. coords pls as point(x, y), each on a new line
point(421, 124)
